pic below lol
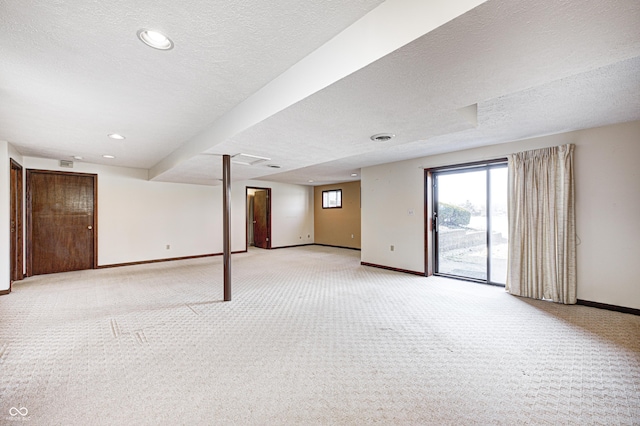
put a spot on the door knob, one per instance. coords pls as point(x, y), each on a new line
point(89, 227)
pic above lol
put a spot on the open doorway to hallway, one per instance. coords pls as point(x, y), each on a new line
point(259, 217)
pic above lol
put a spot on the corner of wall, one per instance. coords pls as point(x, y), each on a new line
point(5, 206)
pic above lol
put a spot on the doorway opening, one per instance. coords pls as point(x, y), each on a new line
point(17, 247)
point(470, 225)
point(259, 217)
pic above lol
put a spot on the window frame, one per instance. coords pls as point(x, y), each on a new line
point(338, 199)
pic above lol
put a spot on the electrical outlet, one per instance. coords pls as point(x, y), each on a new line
point(168, 246)
point(392, 247)
point(351, 236)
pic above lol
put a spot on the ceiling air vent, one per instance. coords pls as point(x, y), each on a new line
point(66, 163)
point(248, 160)
point(382, 137)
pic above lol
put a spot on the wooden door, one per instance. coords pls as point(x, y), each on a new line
point(261, 222)
point(61, 221)
point(16, 248)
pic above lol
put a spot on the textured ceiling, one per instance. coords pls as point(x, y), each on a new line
point(72, 72)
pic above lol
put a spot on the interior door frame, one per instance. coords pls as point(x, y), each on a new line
point(29, 241)
point(246, 240)
point(17, 237)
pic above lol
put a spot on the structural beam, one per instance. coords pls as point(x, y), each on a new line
point(226, 224)
point(385, 29)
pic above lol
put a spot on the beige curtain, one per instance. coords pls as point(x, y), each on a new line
point(542, 236)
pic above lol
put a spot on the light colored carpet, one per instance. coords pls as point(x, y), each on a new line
point(311, 337)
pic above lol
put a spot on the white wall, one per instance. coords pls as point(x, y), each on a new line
point(137, 218)
point(389, 192)
point(7, 151)
point(607, 201)
point(5, 207)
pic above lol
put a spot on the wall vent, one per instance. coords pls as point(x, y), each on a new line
point(66, 163)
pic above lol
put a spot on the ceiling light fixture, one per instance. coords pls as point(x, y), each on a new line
point(108, 156)
point(155, 39)
point(116, 136)
point(77, 157)
point(382, 137)
point(354, 175)
point(310, 181)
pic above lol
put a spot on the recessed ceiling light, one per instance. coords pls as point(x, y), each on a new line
point(273, 166)
point(310, 181)
point(382, 137)
point(77, 157)
point(108, 156)
point(116, 136)
point(354, 175)
point(155, 39)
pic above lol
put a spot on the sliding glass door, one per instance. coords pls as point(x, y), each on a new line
point(470, 218)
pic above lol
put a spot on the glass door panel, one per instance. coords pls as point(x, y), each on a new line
point(471, 226)
point(461, 224)
point(499, 225)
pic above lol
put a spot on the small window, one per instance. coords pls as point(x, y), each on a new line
point(332, 199)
